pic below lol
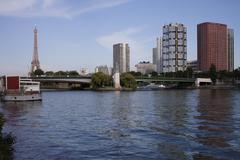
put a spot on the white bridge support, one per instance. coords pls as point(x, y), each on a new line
point(202, 80)
point(116, 79)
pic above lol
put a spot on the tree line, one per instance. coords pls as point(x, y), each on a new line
point(101, 80)
point(189, 73)
point(40, 72)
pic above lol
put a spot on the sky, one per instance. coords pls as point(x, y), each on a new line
point(75, 34)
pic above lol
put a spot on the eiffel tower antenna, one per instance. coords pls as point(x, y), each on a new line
point(35, 61)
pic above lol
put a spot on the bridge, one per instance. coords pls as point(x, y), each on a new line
point(87, 80)
point(63, 82)
point(84, 82)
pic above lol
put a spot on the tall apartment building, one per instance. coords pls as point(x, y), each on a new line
point(157, 56)
point(121, 57)
point(230, 49)
point(215, 44)
point(154, 56)
point(174, 47)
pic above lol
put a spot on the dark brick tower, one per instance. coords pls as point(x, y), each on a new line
point(212, 46)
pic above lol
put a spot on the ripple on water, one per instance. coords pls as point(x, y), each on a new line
point(168, 124)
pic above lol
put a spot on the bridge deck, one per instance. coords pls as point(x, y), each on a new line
point(88, 79)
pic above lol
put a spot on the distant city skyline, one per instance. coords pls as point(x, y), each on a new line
point(80, 34)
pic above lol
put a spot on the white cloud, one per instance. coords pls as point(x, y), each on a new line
point(125, 36)
point(98, 5)
point(10, 6)
point(137, 45)
point(48, 3)
point(54, 8)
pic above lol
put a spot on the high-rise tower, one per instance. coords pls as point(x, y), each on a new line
point(157, 56)
point(121, 57)
point(230, 49)
point(35, 61)
point(174, 47)
point(212, 45)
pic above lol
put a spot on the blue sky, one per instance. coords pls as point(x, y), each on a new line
point(76, 34)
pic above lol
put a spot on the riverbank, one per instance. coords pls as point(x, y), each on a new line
point(6, 142)
point(216, 87)
point(219, 87)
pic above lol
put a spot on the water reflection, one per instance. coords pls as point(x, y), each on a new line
point(121, 110)
point(17, 112)
point(120, 115)
point(19, 109)
point(172, 115)
point(215, 122)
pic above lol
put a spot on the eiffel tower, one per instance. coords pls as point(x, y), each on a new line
point(35, 61)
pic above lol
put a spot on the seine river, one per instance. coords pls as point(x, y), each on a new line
point(167, 124)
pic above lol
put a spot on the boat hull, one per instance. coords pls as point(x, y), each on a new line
point(16, 98)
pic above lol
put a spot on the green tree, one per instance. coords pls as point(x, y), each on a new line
point(100, 79)
point(73, 73)
point(170, 74)
point(60, 74)
point(223, 74)
point(154, 74)
point(179, 74)
point(138, 74)
point(128, 81)
point(49, 73)
point(38, 72)
point(6, 143)
point(236, 73)
point(188, 72)
point(213, 73)
point(135, 74)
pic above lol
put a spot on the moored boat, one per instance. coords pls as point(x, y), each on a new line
point(151, 87)
point(15, 88)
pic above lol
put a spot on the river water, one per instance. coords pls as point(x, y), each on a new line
point(167, 124)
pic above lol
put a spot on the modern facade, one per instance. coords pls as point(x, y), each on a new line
point(103, 69)
point(145, 67)
point(193, 64)
point(35, 64)
point(121, 57)
point(174, 43)
point(230, 49)
point(212, 46)
point(157, 56)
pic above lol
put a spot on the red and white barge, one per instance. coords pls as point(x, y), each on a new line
point(15, 88)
